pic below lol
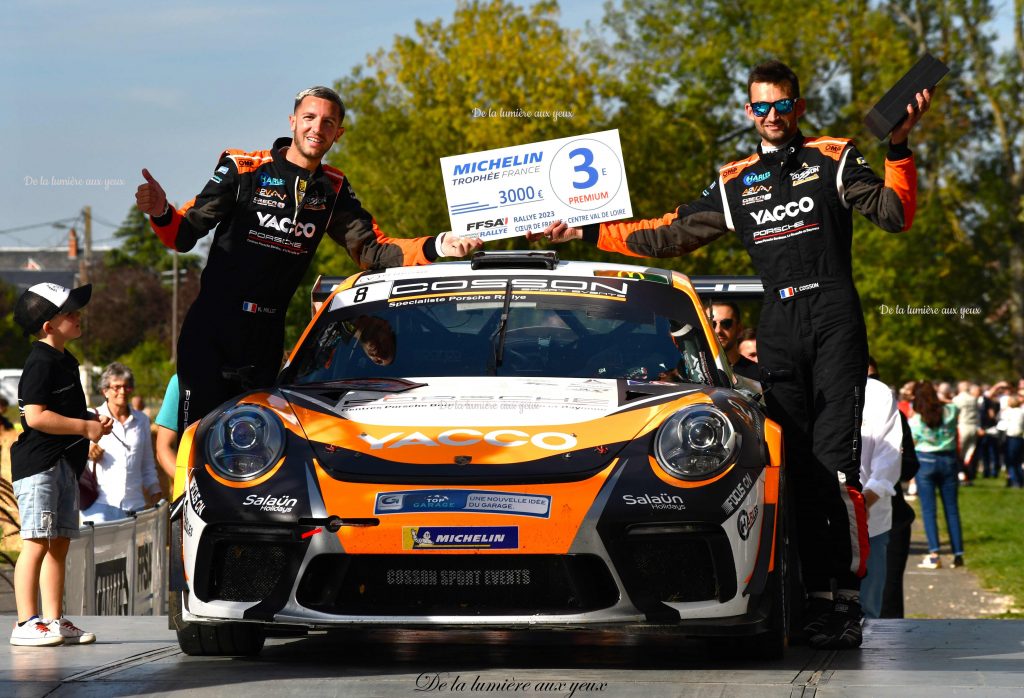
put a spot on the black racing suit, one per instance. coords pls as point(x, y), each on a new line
point(792, 209)
point(270, 216)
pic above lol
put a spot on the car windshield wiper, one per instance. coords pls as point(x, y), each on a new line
point(499, 333)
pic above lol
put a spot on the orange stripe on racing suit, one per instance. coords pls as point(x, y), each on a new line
point(901, 177)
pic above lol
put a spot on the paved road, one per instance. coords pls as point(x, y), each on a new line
point(138, 656)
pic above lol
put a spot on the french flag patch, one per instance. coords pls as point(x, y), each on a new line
point(787, 292)
point(250, 307)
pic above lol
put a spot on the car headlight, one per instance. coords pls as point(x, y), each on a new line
point(695, 442)
point(245, 442)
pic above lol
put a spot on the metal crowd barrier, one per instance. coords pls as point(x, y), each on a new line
point(119, 568)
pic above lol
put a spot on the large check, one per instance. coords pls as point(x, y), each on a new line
point(509, 191)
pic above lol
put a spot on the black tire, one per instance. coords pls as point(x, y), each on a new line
point(784, 593)
point(222, 639)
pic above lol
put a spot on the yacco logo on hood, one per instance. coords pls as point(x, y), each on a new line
point(504, 438)
point(755, 177)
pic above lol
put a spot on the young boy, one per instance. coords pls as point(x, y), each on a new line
point(47, 460)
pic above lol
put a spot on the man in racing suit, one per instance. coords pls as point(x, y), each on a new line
point(791, 203)
point(271, 208)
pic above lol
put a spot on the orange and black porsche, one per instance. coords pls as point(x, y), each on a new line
point(509, 442)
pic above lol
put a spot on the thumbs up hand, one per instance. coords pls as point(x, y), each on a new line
point(150, 196)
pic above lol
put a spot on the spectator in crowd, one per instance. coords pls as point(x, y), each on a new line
point(989, 446)
point(748, 344)
point(125, 466)
point(944, 391)
point(881, 439)
point(906, 398)
point(933, 425)
point(966, 401)
point(898, 550)
point(727, 323)
point(167, 429)
point(1011, 419)
point(47, 461)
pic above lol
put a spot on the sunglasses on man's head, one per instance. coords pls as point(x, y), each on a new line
point(782, 106)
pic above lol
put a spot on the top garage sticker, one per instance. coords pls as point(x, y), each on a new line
point(485, 502)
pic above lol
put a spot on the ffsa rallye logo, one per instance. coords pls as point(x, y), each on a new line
point(486, 225)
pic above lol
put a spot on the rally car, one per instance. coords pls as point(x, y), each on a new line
point(512, 442)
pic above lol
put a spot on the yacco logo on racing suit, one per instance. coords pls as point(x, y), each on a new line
point(755, 177)
point(793, 208)
point(460, 537)
point(487, 224)
point(504, 438)
point(269, 220)
point(268, 181)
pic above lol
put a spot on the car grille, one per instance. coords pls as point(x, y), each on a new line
point(246, 563)
point(659, 564)
point(456, 584)
point(246, 571)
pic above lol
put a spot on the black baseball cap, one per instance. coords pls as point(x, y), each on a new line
point(45, 301)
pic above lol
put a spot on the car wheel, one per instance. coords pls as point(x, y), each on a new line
point(223, 639)
point(783, 590)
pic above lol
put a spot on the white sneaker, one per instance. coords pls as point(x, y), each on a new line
point(36, 633)
point(72, 634)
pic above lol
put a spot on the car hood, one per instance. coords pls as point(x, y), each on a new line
point(472, 428)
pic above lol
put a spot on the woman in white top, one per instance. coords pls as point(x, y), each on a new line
point(124, 461)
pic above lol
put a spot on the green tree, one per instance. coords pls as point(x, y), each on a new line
point(14, 346)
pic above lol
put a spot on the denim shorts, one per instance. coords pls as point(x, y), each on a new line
point(48, 503)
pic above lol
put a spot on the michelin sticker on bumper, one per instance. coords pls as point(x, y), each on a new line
point(460, 537)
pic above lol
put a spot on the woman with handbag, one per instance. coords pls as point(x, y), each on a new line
point(123, 460)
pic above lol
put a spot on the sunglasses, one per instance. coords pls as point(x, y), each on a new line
point(725, 324)
point(782, 106)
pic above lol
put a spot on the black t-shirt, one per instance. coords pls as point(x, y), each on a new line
point(50, 378)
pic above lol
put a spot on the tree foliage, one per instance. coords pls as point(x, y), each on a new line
point(14, 346)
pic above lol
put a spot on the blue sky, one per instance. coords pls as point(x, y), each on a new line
point(95, 91)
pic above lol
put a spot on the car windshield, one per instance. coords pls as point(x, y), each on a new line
point(580, 327)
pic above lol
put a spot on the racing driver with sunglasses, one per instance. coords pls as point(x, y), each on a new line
point(792, 203)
